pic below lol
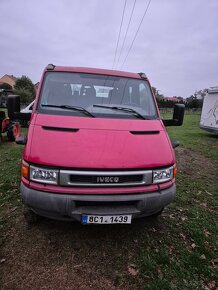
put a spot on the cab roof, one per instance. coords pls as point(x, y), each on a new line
point(99, 71)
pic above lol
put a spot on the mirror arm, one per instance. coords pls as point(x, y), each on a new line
point(170, 122)
point(22, 116)
point(174, 143)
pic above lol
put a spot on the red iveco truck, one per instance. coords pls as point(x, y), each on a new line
point(97, 150)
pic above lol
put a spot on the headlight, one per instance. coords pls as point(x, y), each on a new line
point(43, 175)
point(163, 175)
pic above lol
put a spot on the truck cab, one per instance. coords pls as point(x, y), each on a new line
point(97, 150)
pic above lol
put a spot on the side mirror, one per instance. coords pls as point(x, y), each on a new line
point(178, 116)
point(13, 105)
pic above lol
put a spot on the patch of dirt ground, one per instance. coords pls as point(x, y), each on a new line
point(60, 255)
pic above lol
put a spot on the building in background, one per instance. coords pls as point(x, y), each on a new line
point(8, 79)
point(36, 86)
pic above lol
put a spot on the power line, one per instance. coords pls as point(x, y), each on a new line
point(118, 40)
point(126, 32)
point(136, 33)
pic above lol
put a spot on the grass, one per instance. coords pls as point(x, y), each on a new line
point(178, 251)
point(10, 160)
point(182, 254)
point(192, 137)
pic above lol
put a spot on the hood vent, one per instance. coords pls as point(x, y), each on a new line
point(60, 129)
point(144, 132)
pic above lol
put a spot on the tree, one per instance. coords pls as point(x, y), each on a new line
point(155, 91)
point(195, 101)
point(5, 86)
point(25, 89)
point(157, 94)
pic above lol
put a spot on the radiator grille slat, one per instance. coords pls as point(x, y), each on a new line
point(81, 178)
point(105, 180)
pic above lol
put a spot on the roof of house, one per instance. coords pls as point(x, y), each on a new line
point(10, 76)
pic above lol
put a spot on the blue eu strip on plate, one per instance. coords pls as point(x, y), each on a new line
point(84, 219)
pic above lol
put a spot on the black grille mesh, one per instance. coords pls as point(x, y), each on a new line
point(94, 179)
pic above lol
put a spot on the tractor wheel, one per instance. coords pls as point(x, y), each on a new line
point(16, 130)
point(10, 134)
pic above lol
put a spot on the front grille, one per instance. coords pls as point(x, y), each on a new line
point(105, 179)
point(81, 178)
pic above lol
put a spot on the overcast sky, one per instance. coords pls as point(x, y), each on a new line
point(177, 45)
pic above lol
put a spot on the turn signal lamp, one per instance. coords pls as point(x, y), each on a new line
point(25, 169)
point(174, 171)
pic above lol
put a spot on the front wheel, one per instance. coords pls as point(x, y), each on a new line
point(30, 217)
point(157, 214)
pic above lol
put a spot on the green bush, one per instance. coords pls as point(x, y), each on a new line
point(25, 89)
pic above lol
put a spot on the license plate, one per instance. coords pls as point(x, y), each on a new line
point(106, 219)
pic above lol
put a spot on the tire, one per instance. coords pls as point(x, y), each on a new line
point(156, 215)
point(30, 217)
point(2, 115)
point(10, 135)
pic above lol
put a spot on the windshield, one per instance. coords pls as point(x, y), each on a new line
point(63, 89)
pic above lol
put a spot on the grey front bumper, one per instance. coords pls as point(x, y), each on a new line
point(72, 207)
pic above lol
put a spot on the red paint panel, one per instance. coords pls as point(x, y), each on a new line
point(88, 70)
point(117, 190)
point(99, 143)
point(76, 190)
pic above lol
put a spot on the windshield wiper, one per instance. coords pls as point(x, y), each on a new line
point(128, 110)
point(75, 108)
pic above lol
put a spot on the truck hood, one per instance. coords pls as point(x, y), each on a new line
point(83, 142)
